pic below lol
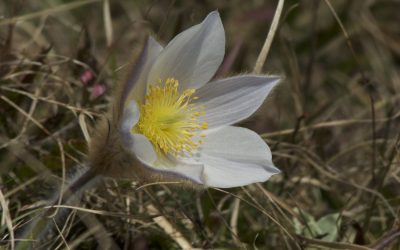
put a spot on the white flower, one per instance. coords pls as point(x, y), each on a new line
point(176, 125)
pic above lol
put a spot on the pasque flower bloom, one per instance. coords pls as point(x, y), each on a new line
point(169, 122)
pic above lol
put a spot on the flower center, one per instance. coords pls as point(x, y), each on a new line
point(169, 120)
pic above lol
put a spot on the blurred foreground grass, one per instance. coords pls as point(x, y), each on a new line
point(333, 124)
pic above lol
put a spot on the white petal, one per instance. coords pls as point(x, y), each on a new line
point(168, 168)
point(234, 156)
point(130, 117)
point(233, 99)
point(223, 173)
point(143, 148)
point(139, 74)
point(134, 88)
point(236, 143)
point(193, 56)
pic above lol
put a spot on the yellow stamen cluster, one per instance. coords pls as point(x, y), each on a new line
point(169, 120)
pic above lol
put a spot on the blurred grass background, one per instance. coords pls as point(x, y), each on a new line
point(332, 124)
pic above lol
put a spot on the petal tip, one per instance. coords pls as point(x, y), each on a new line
point(271, 168)
point(214, 13)
point(276, 79)
point(276, 171)
point(214, 18)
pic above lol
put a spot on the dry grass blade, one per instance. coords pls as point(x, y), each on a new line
point(234, 221)
point(84, 128)
point(333, 245)
point(336, 124)
point(157, 184)
point(22, 186)
point(168, 227)
point(345, 33)
point(45, 99)
point(84, 236)
point(62, 157)
point(36, 122)
point(98, 212)
point(25, 124)
point(107, 22)
point(6, 217)
point(54, 10)
point(268, 41)
point(60, 233)
point(100, 233)
point(259, 207)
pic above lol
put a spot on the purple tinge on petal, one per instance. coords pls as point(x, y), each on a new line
point(133, 75)
point(138, 92)
point(137, 69)
point(97, 91)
